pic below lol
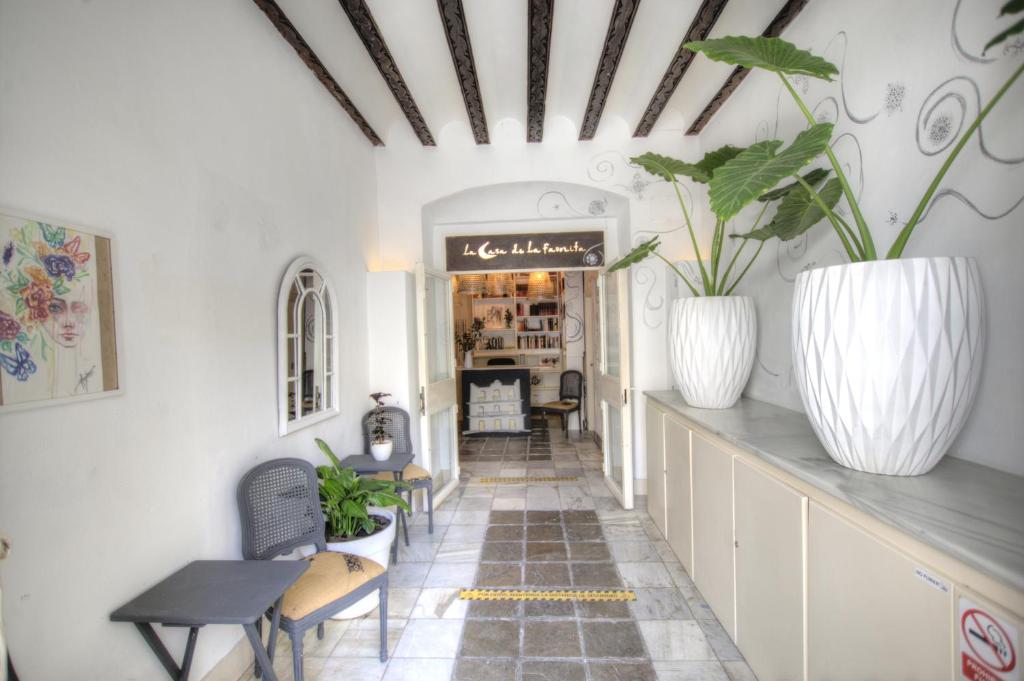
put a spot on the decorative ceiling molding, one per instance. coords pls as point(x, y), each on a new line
point(614, 44)
point(453, 18)
point(703, 21)
point(362, 21)
point(541, 16)
point(295, 39)
point(775, 28)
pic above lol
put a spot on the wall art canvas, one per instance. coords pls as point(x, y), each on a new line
point(57, 330)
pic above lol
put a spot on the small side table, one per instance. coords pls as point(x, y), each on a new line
point(364, 464)
point(213, 592)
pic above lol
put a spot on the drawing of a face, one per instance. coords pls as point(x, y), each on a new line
point(69, 317)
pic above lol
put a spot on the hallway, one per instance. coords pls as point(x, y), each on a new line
point(564, 534)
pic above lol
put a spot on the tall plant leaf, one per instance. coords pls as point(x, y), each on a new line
point(638, 254)
point(770, 54)
point(812, 178)
point(761, 166)
point(798, 212)
point(669, 168)
point(716, 158)
point(1014, 29)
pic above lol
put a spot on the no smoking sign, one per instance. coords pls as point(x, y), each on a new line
point(988, 645)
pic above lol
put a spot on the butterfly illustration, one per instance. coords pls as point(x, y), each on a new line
point(20, 365)
point(53, 235)
point(71, 250)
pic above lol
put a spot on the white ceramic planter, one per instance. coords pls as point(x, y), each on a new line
point(712, 345)
point(376, 547)
point(887, 357)
point(381, 451)
point(467, 359)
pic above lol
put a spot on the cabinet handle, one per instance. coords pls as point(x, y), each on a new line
point(736, 543)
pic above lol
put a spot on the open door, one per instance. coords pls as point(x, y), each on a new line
point(613, 383)
point(436, 350)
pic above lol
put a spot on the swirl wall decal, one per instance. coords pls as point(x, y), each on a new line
point(574, 327)
point(860, 120)
point(943, 193)
point(954, 38)
point(787, 258)
point(761, 133)
point(645, 276)
point(943, 116)
point(554, 203)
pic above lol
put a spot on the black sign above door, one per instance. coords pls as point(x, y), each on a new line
point(555, 251)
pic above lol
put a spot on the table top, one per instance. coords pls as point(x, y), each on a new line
point(364, 463)
point(969, 511)
point(214, 592)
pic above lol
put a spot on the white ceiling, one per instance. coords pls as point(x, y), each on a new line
point(498, 32)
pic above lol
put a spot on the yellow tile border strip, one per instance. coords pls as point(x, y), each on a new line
point(521, 595)
point(519, 481)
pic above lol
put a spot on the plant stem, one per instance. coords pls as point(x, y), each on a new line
point(866, 244)
point(831, 218)
point(901, 240)
point(693, 240)
point(716, 252)
point(736, 254)
point(742, 274)
point(676, 269)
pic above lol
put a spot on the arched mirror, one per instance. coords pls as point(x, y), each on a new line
point(307, 347)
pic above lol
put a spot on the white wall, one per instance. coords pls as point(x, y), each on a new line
point(898, 60)
point(561, 181)
point(196, 136)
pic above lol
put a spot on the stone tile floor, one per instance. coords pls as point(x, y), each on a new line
point(569, 534)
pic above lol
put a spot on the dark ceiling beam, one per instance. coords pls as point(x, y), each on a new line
point(295, 39)
point(362, 21)
point(775, 28)
point(703, 22)
point(614, 44)
point(453, 18)
point(542, 13)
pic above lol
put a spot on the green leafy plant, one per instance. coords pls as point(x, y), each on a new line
point(346, 497)
point(468, 340)
point(749, 175)
point(773, 166)
point(379, 420)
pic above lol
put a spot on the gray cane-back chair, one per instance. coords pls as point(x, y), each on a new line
point(279, 504)
point(416, 476)
point(570, 396)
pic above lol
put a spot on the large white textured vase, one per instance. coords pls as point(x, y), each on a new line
point(712, 345)
point(887, 357)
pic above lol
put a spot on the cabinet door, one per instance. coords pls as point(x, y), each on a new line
point(656, 466)
point(677, 491)
point(870, 616)
point(771, 520)
point(712, 529)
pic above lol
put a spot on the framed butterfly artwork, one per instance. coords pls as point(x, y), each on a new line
point(58, 323)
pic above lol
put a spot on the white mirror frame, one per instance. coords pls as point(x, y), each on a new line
point(286, 425)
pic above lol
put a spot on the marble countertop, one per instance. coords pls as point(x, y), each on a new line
point(969, 511)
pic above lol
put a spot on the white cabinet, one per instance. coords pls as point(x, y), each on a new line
point(870, 614)
point(712, 529)
point(771, 521)
point(678, 497)
point(656, 466)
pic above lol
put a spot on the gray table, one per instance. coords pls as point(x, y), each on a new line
point(364, 464)
point(213, 592)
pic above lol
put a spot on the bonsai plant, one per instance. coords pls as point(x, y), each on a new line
point(714, 333)
point(468, 340)
point(381, 443)
point(887, 352)
point(356, 518)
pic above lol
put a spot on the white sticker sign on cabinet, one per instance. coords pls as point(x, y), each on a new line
point(989, 645)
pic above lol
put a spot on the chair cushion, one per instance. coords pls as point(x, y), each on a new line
point(330, 576)
point(561, 405)
point(410, 473)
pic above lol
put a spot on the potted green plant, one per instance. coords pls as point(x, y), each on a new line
point(714, 333)
point(356, 517)
point(468, 339)
point(381, 443)
point(887, 351)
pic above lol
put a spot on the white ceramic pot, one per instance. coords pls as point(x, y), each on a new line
point(381, 451)
point(712, 345)
point(887, 357)
point(376, 547)
point(467, 360)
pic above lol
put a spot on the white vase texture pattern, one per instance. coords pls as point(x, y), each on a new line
point(887, 357)
point(712, 345)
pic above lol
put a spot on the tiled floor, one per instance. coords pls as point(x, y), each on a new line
point(568, 534)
